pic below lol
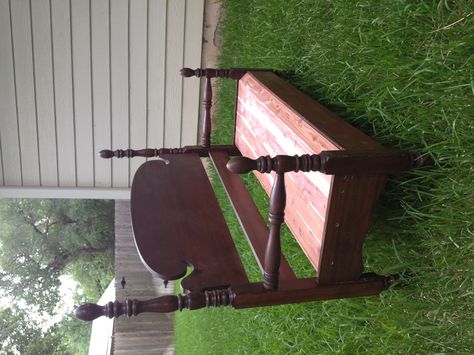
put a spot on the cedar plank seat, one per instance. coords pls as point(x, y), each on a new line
point(323, 177)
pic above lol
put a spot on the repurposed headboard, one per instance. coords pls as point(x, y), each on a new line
point(323, 177)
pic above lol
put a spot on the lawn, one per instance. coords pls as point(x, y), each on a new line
point(403, 72)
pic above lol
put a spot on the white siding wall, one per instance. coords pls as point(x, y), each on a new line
point(78, 76)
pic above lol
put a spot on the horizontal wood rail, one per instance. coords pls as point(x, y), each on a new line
point(308, 290)
point(252, 222)
point(241, 296)
point(347, 162)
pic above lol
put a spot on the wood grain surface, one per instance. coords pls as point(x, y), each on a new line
point(178, 223)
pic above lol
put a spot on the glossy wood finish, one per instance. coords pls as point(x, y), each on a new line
point(363, 162)
point(276, 217)
point(177, 223)
point(207, 104)
point(162, 304)
point(307, 290)
point(242, 296)
point(332, 184)
point(209, 73)
point(349, 216)
point(156, 152)
point(252, 222)
point(280, 164)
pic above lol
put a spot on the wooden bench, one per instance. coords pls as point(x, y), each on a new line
point(323, 177)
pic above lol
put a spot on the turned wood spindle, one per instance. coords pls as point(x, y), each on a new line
point(234, 74)
point(162, 304)
point(209, 73)
point(276, 219)
point(279, 164)
point(145, 153)
point(333, 162)
point(207, 104)
point(128, 153)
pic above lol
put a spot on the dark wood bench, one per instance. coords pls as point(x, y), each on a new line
point(323, 177)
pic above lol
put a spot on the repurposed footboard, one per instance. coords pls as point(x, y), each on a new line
point(323, 177)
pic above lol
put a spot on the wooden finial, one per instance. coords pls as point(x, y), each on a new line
point(89, 311)
point(187, 72)
point(106, 154)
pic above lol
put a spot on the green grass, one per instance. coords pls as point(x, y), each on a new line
point(403, 72)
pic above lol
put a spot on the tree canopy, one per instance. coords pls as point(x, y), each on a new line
point(40, 240)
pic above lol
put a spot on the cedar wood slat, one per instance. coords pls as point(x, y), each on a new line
point(260, 131)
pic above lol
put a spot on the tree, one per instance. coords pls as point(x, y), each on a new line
point(39, 239)
point(21, 333)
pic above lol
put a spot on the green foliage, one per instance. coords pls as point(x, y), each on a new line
point(75, 335)
point(40, 240)
point(21, 333)
point(401, 71)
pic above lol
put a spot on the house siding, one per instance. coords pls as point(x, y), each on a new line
point(79, 76)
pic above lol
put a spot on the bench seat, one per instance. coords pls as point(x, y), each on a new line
point(323, 177)
point(274, 118)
